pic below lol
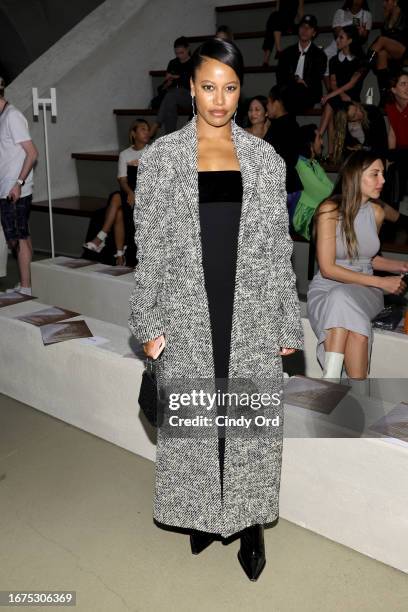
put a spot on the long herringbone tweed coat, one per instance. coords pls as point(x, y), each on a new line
point(170, 298)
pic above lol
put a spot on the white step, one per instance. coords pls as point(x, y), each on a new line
point(83, 290)
point(94, 388)
point(107, 298)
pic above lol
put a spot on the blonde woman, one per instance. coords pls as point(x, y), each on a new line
point(358, 126)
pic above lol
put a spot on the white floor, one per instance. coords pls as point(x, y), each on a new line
point(76, 515)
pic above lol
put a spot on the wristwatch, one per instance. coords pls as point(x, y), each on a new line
point(20, 182)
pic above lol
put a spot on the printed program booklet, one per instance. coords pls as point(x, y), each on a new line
point(53, 314)
point(8, 299)
point(394, 424)
point(314, 393)
point(60, 332)
point(115, 271)
point(76, 263)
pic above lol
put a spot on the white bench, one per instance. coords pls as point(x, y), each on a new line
point(94, 388)
point(107, 298)
point(83, 290)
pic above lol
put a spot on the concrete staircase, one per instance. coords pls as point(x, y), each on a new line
point(96, 170)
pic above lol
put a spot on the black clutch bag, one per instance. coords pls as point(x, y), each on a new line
point(389, 318)
point(149, 396)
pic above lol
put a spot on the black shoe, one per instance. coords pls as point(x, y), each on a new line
point(200, 540)
point(251, 554)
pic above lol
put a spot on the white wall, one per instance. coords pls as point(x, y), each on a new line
point(103, 63)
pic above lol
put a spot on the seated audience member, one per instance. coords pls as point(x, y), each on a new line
point(347, 71)
point(119, 211)
point(302, 67)
point(391, 46)
point(344, 295)
point(398, 219)
point(359, 126)
point(283, 135)
point(258, 116)
point(397, 113)
point(316, 184)
point(177, 84)
point(225, 33)
point(281, 21)
point(355, 13)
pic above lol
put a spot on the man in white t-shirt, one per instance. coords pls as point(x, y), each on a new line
point(17, 158)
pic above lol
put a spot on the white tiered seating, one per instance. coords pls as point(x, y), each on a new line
point(83, 290)
point(107, 298)
point(94, 388)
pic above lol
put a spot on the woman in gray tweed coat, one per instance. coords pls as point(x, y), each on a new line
point(170, 303)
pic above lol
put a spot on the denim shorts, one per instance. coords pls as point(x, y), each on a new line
point(14, 218)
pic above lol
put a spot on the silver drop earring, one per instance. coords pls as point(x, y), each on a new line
point(234, 117)
point(192, 103)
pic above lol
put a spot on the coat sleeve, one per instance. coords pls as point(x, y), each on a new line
point(273, 188)
point(145, 318)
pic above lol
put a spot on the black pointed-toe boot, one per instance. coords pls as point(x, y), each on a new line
point(251, 554)
point(200, 540)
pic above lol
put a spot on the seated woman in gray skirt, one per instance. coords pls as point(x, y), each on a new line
point(344, 295)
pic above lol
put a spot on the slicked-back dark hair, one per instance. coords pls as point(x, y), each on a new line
point(223, 51)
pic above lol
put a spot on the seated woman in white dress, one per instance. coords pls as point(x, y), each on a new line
point(344, 295)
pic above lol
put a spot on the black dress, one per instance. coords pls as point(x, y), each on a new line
point(344, 71)
point(220, 195)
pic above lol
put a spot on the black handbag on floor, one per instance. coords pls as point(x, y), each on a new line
point(149, 396)
point(389, 318)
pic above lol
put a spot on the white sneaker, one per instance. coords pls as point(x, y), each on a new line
point(26, 290)
point(19, 289)
point(14, 289)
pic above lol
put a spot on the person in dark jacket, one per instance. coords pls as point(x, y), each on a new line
point(283, 135)
point(281, 21)
point(302, 68)
point(176, 87)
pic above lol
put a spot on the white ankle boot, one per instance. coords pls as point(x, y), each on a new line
point(333, 365)
point(360, 386)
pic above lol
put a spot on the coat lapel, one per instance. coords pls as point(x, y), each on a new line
point(186, 167)
point(249, 168)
